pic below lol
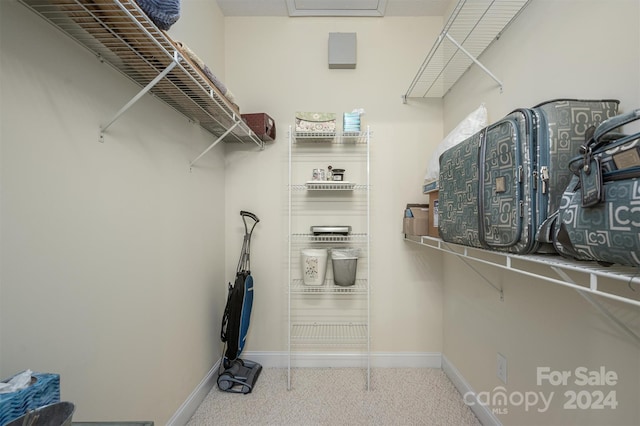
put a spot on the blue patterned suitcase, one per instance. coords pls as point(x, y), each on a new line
point(499, 186)
point(458, 196)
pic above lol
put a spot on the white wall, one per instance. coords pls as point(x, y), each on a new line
point(279, 66)
point(575, 49)
point(112, 254)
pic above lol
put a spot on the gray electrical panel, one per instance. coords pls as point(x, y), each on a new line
point(342, 50)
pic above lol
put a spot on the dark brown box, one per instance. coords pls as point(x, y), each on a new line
point(262, 125)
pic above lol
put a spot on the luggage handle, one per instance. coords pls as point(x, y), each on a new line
point(610, 124)
point(596, 138)
point(587, 166)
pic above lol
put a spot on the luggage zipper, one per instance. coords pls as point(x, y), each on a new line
point(621, 174)
point(544, 177)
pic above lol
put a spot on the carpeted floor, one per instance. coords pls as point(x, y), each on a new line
point(338, 396)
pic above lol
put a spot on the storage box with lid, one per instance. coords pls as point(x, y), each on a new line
point(316, 122)
point(262, 125)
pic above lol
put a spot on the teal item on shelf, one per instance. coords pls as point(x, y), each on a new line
point(44, 390)
point(351, 122)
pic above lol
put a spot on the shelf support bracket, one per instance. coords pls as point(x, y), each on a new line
point(463, 258)
point(140, 94)
point(478, 63)
point(220, 138)
point(596, 304)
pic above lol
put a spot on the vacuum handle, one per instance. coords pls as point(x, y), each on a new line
point(244, 213)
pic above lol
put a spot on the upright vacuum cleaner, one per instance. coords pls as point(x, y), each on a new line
point(235, 374)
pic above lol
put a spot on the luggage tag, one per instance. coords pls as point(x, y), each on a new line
point(591, 182)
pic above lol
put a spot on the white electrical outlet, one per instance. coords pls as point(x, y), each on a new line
point(502, 368)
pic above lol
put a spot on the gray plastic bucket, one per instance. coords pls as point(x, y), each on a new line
point(345, 264)
point(58, 414)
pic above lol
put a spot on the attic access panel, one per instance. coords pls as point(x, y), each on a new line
point(471, 28)
point(336, 7)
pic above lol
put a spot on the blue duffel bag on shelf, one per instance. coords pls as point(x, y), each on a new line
point(44, 389)
point(599, 216)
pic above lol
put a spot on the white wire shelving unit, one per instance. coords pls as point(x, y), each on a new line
point(472, 26)
point(119, 33)
point(346, 332)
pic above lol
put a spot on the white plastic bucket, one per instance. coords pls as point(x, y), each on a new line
point(314, 266)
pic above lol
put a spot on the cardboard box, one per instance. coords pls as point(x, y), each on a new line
point(430, 186)
point(416, 219)
point(433, 214)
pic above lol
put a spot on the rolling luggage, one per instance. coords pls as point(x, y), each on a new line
point(499, 186)
point(599, 216)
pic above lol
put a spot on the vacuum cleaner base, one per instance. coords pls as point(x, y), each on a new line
point(239, 376)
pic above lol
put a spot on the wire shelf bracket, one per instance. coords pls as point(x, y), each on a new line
point(141, 93)
point(596, 304)
point(220, 138)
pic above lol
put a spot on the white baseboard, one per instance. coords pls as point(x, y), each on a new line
point(484, 414)
point(186, 410)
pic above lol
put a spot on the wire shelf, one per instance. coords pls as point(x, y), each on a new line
point(329, 186)
point(329, 238)
point(471, 28)
point(298, 287)
point(350, 334)
point(121, 34)
point(331, 137)
point(589, 272)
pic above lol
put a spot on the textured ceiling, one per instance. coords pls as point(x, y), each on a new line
point(279, 7)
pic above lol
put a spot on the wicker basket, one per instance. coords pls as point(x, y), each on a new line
point(44, 390)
